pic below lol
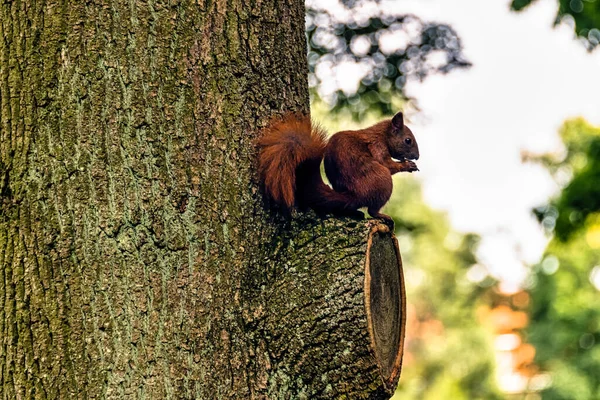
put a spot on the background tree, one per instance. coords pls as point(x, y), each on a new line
point(361, 55)
point(583, 15)
point(565, 312)
point(564, 285)
point(136, 255)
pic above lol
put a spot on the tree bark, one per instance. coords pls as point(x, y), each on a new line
point(138, 259)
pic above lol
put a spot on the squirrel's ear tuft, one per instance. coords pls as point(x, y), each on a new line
point(398, 121)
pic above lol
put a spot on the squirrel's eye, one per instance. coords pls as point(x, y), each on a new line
point(407, 140)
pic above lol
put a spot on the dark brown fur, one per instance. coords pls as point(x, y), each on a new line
point(358, 164)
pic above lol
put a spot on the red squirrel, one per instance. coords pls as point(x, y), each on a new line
point(358, 164)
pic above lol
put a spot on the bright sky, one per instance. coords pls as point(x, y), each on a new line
point(527, 78)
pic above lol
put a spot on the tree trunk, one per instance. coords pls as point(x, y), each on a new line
point(138, 259)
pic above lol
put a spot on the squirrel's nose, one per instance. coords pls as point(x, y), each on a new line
point(416, 156)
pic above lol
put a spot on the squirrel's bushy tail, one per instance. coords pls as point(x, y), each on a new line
point(289, 165)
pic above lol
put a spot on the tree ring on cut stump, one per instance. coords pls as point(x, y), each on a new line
point(385, 302)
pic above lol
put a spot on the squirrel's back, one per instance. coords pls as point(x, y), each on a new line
point(286, 145)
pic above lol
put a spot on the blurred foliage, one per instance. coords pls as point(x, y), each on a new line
point(362, 54)
point(448, 354)
point(564, 286)
point(578, 170)
point(583, 15)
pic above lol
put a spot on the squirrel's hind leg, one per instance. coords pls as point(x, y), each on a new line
point(386, 218)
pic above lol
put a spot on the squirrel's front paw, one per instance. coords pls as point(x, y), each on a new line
point(409, 166)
